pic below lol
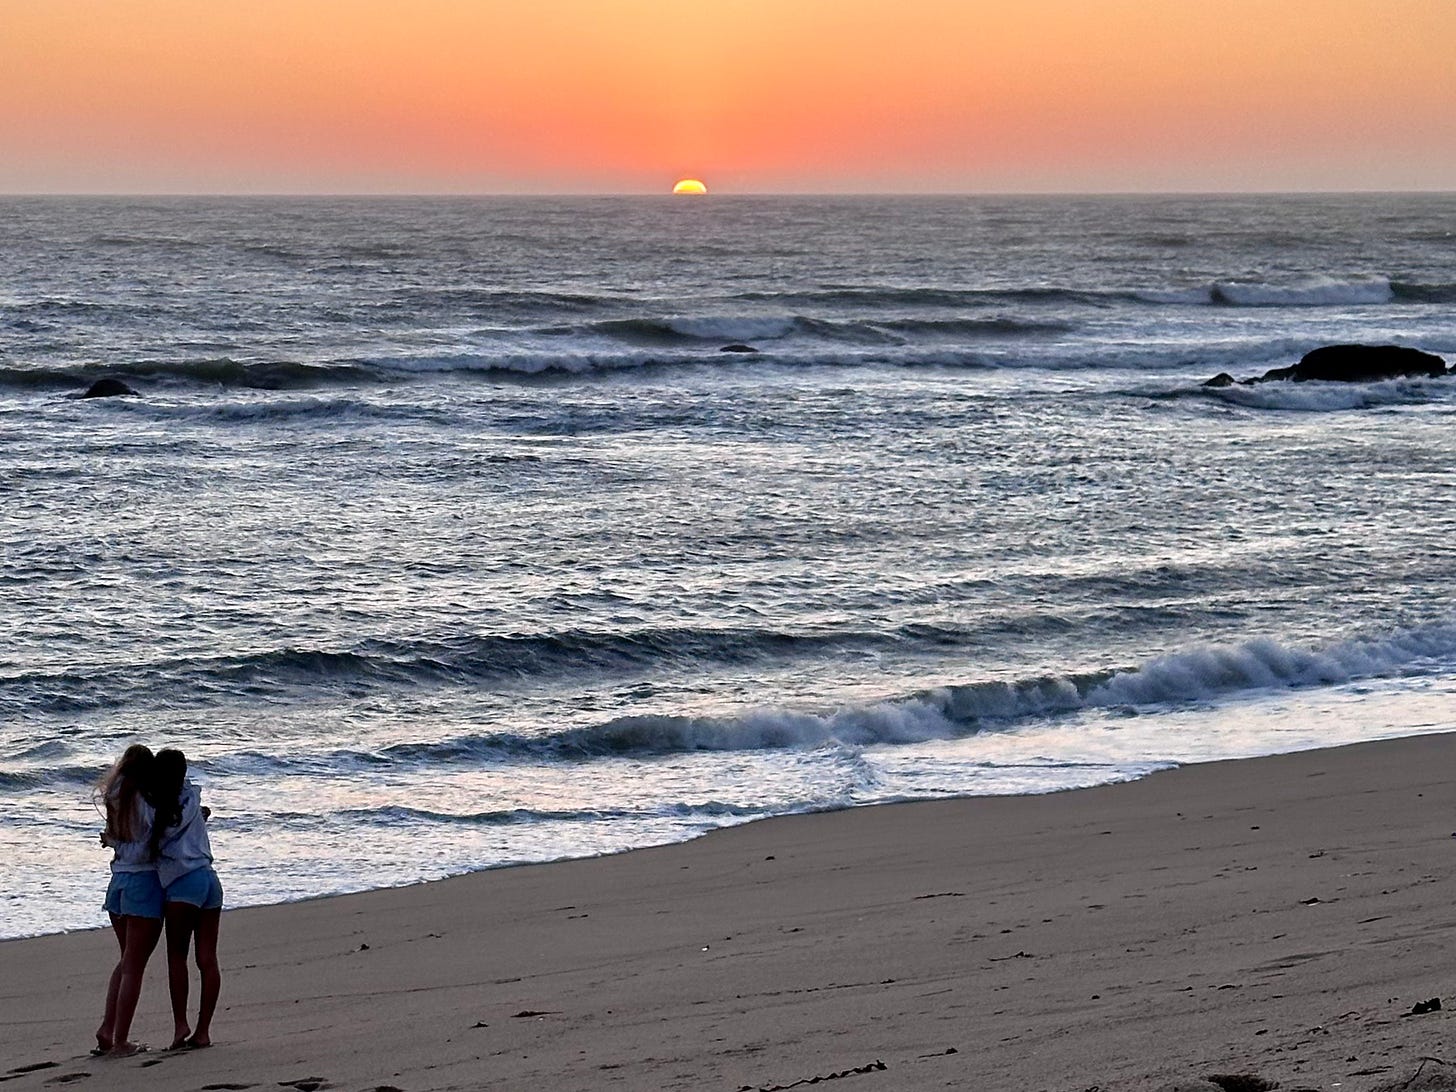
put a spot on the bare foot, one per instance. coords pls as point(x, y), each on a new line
point(126, 1050)
point(199, 1041)
point(103, 1041)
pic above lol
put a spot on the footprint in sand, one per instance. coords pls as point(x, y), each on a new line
point(22, 1070)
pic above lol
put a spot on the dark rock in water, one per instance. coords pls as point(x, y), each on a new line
point(1350, 364)
point(1361, 364)
point(738, 347)
point(107, 388)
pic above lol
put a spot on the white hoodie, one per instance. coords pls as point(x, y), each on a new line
point(185, 845)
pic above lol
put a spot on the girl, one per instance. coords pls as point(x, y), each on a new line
point(134, 897)
point(193, 893)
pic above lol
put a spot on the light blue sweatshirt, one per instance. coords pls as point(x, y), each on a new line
point(136, 855)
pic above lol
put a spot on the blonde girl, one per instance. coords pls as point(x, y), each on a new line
point(134, 896)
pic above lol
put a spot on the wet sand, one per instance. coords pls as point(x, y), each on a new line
point(1278, 917)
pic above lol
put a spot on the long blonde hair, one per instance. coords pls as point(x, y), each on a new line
point(120, 790)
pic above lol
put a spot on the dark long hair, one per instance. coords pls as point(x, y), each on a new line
point(121, 786)
point(169, 769)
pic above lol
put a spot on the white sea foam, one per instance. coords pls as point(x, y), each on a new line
point(1206, 672)
point(911, 720)
point(1316, 396)
point(733, 328)
point(1199, 674)
point(1313, 292)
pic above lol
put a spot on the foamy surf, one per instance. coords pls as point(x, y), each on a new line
point(1196, 676)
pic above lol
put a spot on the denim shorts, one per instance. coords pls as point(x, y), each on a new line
point(135, 894)
point(200, 887)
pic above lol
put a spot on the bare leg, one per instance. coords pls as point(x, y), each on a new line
point(208, 922)
point(142, 935)
point(103, 1033)
point(181, 922)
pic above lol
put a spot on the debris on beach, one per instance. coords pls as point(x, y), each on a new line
point(876, 1066)
point(1431, 1074)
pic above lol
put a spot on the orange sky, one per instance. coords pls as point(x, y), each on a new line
point(750, 95)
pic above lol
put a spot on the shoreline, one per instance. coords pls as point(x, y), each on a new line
point(1275, 915)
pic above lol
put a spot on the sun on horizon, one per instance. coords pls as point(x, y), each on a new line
point(689, 186)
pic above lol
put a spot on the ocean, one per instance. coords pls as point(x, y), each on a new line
point(444, 534)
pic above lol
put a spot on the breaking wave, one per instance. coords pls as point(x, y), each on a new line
point(1316, 292)
point(1195, 675)
point(1327, 397)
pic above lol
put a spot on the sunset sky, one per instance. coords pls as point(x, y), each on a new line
point(579, 96)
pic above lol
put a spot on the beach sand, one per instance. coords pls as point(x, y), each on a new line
point(1278, 917)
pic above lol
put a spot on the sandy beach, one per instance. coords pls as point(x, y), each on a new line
point(1277, 917)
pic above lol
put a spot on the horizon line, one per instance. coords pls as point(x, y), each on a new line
point(609, 194)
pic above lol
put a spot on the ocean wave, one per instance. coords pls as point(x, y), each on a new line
point(398, 815)
point(48, 777)
point(1326, 397)
point(731, 328)
point(70, 308)
point(1424, 293)
point(1191, 676)
point(960, 345)
point(466, 659)
point(221, 372)
point(1314, 292)
point(683, 330)
point(485, 301)
point(519, 364)
point(973, 327)
point(276, 410)
point(42, 378)
point(975, 353)
point(712, 331)
point(265, 375)
point(934, 296)
point(522, 365)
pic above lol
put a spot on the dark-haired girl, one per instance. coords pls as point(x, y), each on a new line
point(134, 897)
point(193, 894)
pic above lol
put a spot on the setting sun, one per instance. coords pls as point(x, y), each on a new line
point(690, 185)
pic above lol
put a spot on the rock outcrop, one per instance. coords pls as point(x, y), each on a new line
point(107, 388)
point(1349, 364)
